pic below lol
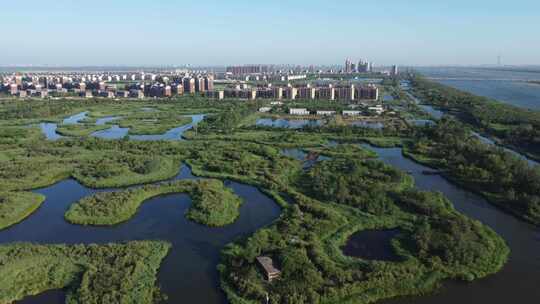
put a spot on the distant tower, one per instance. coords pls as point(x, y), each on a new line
point(395, 70)
point(348, 66)
point(499, 60)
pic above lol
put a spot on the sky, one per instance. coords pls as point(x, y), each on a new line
point(225, 32)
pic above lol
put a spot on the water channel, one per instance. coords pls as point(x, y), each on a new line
point(517, 282)
point(188, 274)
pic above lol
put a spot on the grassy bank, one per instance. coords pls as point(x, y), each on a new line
point(16, 206)
point(213, 204)
point(112, 273)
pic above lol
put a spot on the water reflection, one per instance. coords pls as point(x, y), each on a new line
point(368, 124)
point(188, 274)
point(105, 120)
point(308, 159)
point(288, 123)
point(114, 132)
point(49, 130)
point(75, 119)
point(517, 282)
point(490, 142)
point(372, 245)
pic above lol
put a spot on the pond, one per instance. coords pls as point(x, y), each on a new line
point(49, 130)
point(368, 124)
point(289, 123)
point(517, 282)
point(75, 119)
point(188, 274)
point(421, 122)
point(104, 120)
point(490, 142)
point(436, 114)
point(308, 160)
point(388, 98)
point(372, 245)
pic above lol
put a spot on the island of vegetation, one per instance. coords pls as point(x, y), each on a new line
point(112, 273)
point(213, 204)
point(16, 206)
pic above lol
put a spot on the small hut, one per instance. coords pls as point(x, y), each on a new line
point(270, 270)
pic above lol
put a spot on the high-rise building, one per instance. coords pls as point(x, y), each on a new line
point(246, 69)
point(395, 70)
point(209, 82)
point(306, 93)
point(348, 66)
point(369, 92)
point(345, 93)
point(328, 93)
point(200, 84)
point(14, 89)
point(278, 92)
point(189, 85)
point(180, 89)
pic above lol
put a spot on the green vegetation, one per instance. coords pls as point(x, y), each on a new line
point(226, 121)
point(153, 122)
point(16, 206)
point(113, 273)
point(95, 163)
point(213, 204)
point(322, 206)
point(337, 198)
point(501, 177)
point(511, 125)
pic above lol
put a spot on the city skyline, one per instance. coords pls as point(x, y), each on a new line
point(213, 33)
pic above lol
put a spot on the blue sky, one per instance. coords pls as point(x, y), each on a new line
point(212, 32)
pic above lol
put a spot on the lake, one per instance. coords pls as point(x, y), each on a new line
point(506, 86)
point(288, 123)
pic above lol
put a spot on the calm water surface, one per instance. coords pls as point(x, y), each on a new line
point(519, 279)
point(506, 86)
point(288, 123)
point(372, 245)
point(188, 274)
